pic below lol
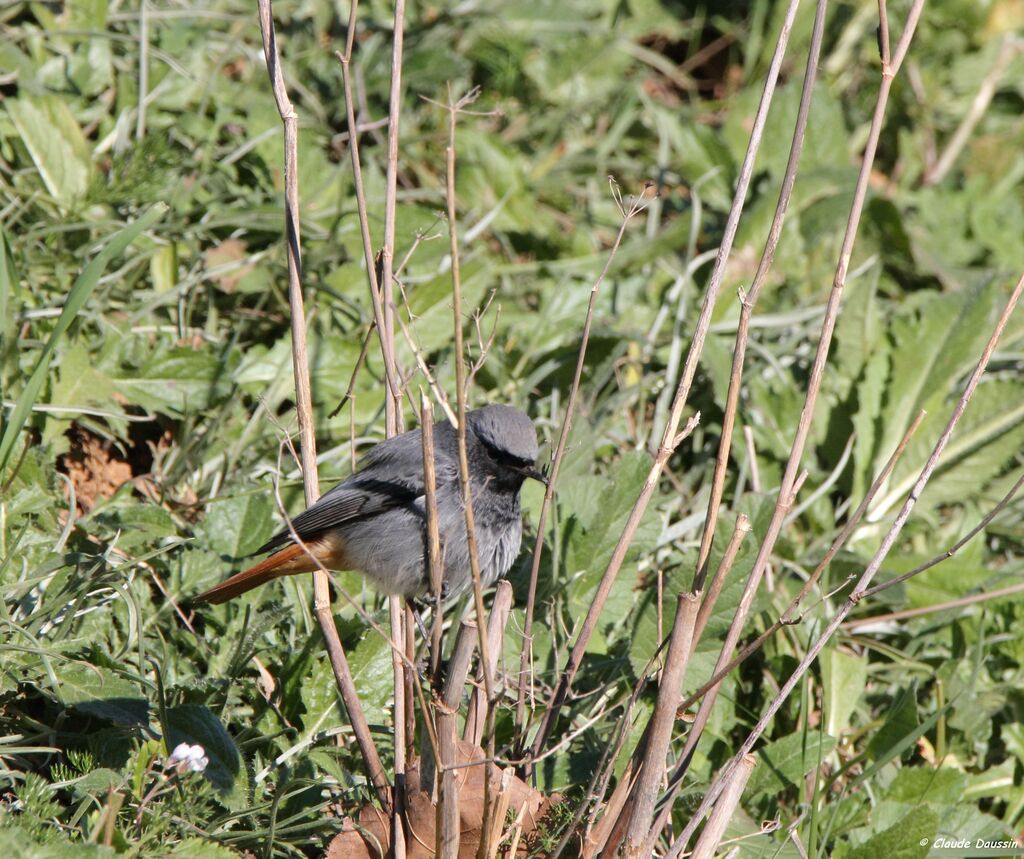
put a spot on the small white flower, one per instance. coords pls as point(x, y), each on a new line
point(189, 757)
point(180, 753)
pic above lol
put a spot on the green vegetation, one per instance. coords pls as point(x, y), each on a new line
point(145, 368)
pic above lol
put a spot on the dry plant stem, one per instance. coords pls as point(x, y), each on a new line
point(425, 370)
point(500, 609)
point(526, 656)
point(956, 547)
point(707, 605)
point(393, 408)
point(393, 402)
point(840, 541)
point(659, 732)
point(1009, 48)
point(387, 353)
point(398, 796)
point(447, 721)
point(732, 637)
point(707, 844)
point(435, 568)
point(303, 404)
point(869, 572)
point(464, 477)
point(460, 386)
point(748, 300)
point(961, 602)
point(792, 470)
point(670, 438)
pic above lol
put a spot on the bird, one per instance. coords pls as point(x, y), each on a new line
point(374, 522)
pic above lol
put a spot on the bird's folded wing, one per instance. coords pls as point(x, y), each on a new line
point(392, 476)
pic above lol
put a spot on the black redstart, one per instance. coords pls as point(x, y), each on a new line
point(375, 521)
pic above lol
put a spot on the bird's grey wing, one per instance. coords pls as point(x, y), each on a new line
point(391, 476)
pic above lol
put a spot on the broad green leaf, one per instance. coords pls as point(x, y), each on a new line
point(79, 294)
point(196, 725)
point(55, 143)
point(843, 679)
point(910, 838)
point(101, 693)
point(917, 785)
point(235, 527)
point(175, 381)
point(783, 763)
point(901, 723)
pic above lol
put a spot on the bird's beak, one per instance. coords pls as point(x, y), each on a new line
point(535, 474)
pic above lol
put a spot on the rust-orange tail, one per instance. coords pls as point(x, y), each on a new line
point(288, 562)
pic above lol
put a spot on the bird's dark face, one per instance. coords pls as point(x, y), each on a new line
point(509, 443)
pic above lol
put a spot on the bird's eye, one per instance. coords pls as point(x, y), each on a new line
point(503, 457)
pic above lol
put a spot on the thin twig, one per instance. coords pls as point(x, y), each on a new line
point(707, 844)
point(748, 300)
point(390, 372)
point(454, 107)
point(960, 602)
point(393, 401)
point(1008, 49)
point(659, 733)
point(670, 436)
point(434, 565)
point(880, 555)
point(304, 409)
point(956, 547)
point(526, 655)
point(739, 533)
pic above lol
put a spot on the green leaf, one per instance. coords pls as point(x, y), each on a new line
point(196, 725)
point(843, 678)
point(78, 295)
point(917, 785)
point(235, 527)
point(55, 143)
point(900, 724)
point(100, 692)
point(783, 763)
point(201, 848)
point(370, 661)
point(175, 381)
point(911, 838)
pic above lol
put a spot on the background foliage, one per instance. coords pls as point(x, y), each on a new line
point(142, 426)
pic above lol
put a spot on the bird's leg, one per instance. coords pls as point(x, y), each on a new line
point(415, 609)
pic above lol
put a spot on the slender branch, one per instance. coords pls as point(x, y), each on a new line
point(659, 732)
point(671, 435)
point(960, 602)
point(462, 393)
point(956, 547)
point(526, 654)
point(434, 566)
point(707, 605)
point(788, 616)
point(303, 405)
point(748, 300)
point(393, 402)
point(1009, 48)
point(345, 59)
point(869, 572)
point(707, 844)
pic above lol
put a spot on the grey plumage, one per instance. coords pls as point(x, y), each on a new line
point(374, 521)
